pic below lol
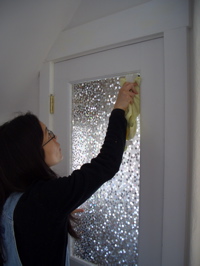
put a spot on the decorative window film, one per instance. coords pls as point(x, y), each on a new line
point(109, 226)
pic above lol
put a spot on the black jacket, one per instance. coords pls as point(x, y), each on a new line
point(40, 217)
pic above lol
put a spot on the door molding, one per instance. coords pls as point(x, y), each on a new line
point(136, 23)
point(176, 158)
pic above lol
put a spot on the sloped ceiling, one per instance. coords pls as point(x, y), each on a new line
point(28, 29)
point(90, 10)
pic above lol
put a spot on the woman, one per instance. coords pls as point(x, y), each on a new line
point(36, 205)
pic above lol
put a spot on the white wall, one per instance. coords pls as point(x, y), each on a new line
point(195, 137)
point(28, 29)
point(13, 101)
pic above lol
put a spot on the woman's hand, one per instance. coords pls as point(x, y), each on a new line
point(78, 211)
point(125, 95)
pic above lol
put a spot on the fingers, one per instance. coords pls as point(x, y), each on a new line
point(131, 87)
point(130, 90)
point(78, 210)
point(125, 95)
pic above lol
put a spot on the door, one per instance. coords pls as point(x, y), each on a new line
point(145, 58)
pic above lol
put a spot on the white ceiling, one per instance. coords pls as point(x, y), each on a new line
point(29, 28)
point(89, 10)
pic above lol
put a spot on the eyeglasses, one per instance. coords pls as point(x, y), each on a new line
point(50, 135)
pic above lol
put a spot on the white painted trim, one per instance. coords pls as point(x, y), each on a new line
point(148, 19)
point(46, 88)
point(176, 147)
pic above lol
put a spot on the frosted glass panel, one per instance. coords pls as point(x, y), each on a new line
point(109, 227)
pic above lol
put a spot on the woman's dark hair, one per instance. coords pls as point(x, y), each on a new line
point(22, 158)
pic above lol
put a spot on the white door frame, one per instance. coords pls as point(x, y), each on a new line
point(174, 30)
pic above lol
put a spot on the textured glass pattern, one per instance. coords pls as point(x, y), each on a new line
point(109, 227)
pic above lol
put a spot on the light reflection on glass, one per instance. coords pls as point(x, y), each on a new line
point(109, 226)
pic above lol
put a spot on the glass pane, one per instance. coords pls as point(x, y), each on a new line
point(109, 227)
